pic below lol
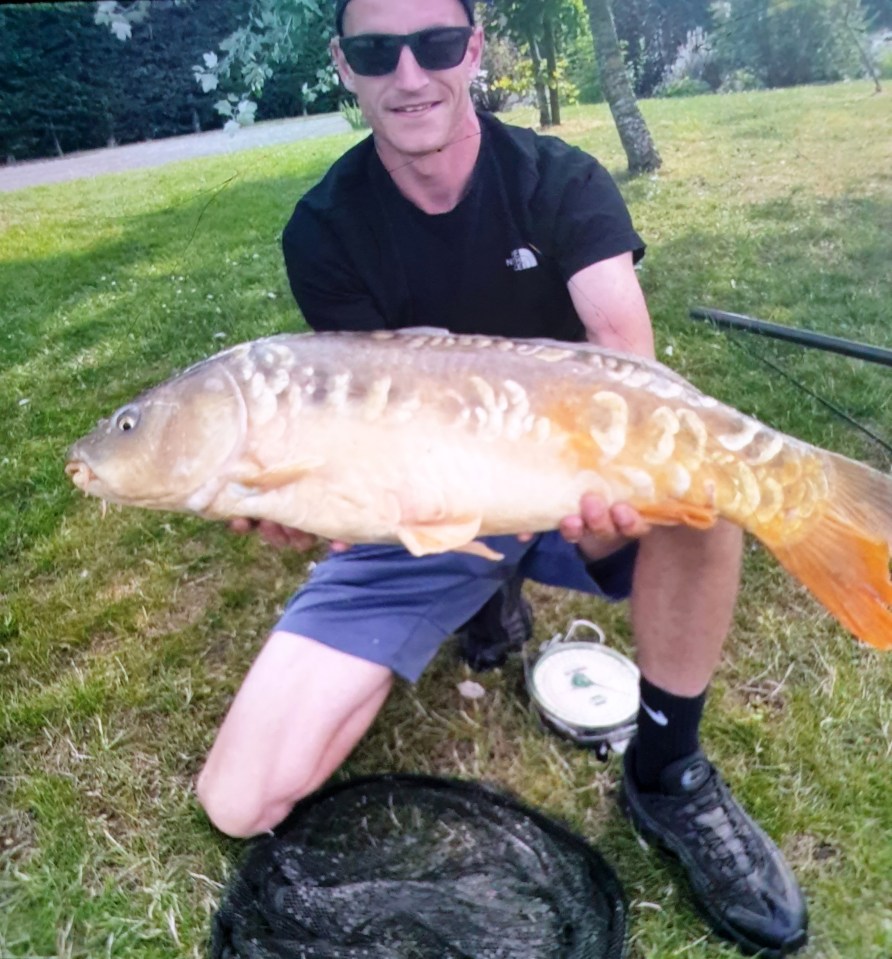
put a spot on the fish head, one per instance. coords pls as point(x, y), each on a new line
point(167, 448)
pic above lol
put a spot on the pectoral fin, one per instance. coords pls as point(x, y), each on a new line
point(269, 479)
point(476, 548)
point(675, 512)
point(421, 539)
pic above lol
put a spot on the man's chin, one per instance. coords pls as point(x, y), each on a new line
point(418, 146)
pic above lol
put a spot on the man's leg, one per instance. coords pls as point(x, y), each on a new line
point(306, 702)
point(683, 595)
point(302, 708)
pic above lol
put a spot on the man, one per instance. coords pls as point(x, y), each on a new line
point(446, 218)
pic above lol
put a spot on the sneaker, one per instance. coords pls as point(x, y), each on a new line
point(502, 625)
point(739, 878)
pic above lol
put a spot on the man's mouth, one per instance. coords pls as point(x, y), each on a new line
point(414, 108)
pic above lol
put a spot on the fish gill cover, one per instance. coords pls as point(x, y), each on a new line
point(414, 867)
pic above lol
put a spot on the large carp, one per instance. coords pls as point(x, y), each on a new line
point(431, 440)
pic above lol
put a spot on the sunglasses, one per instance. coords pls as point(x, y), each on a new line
point(377, 54)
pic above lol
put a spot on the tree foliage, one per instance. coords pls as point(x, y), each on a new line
point(69, 84)
point(66, 85)
point(789, 42)
point(651, 32)
point(542, 30)
point(269, 35)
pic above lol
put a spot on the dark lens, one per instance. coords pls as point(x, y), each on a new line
point(372, 54)
point(440, 48)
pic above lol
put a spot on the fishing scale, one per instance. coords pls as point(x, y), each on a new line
point(584, 690)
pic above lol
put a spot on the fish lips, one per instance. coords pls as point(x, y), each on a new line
point(79, 472)
point(84, 477)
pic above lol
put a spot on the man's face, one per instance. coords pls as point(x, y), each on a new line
point(411, 110)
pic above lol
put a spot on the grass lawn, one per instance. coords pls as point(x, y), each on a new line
point(122, 639)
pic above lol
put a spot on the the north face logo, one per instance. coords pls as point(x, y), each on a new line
point(522, 259)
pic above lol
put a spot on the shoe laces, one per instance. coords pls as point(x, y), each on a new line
point(721, 828)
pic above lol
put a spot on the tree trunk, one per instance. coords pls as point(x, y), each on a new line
point(636, 139)
point(56, 145)
point(551, 66)
point(541, 94)
point(862, 51)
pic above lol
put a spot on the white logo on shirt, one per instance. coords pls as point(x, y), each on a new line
point(522, 259)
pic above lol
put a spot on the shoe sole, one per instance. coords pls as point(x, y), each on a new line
point(641, 823)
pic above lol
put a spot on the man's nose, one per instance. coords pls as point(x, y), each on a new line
point(408, 75)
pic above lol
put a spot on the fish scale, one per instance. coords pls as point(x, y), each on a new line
point(431, 439)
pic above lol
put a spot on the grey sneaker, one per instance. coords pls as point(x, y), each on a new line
point(739, 878)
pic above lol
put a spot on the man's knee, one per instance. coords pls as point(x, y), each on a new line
point(243, 809)
point(300, 711)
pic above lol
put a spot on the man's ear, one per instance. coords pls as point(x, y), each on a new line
point(343, 68)
point(475, 50)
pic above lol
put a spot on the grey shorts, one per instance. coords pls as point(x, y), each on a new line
point(385, 606)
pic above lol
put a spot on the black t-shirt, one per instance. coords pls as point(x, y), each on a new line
point(360, 256)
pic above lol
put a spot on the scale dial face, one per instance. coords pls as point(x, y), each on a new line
point(586, 685)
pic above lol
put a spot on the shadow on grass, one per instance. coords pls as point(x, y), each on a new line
point(240, 218)
point(75, 346)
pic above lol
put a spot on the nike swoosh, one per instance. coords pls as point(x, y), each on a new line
point(659, 717)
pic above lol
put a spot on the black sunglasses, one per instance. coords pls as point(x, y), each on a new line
point(377, 54)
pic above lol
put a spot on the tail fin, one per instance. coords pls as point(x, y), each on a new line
point(844, 558)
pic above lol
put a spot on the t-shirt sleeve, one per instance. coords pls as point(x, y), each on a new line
point(591, 220)
point(329, 293)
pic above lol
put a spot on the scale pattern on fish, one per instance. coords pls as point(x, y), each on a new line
point(430, 439)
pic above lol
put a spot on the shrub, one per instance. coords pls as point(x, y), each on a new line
point(350, 111)
point(739, 80)
point(695, 60)
point(881, 51)
point(582, 69)
point(786, 44)
point(685, 87)
point(505, 77)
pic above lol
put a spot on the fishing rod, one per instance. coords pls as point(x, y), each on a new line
point(835, 344)
point(821, 341)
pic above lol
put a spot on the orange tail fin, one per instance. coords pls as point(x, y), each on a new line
point(844, 558)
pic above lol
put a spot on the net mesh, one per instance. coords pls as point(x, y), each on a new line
point(411, 867)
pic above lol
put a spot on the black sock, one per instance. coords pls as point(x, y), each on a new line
point(668, 729)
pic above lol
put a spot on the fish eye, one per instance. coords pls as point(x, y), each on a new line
point(126, 419)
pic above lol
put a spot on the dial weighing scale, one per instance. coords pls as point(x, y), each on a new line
point(584, 690)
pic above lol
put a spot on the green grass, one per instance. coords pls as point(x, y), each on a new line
point(122, 639)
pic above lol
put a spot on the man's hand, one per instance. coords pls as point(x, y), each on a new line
point(281, 537)
point(599, 530)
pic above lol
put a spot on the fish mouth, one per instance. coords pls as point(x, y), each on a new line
point(81, 474)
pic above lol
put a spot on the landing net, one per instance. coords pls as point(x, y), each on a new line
point(411, 867)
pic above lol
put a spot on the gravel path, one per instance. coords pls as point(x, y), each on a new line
point(158, 152)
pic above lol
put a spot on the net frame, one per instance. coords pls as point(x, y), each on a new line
point(283, 901)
